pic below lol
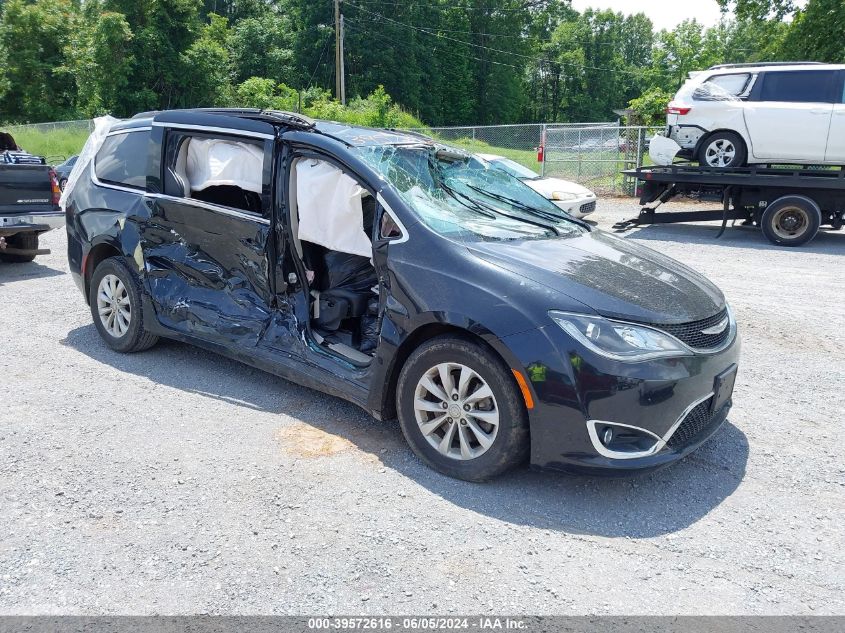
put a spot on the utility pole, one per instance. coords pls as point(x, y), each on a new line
point(340, 81)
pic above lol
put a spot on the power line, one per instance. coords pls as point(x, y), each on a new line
point(432, 32)
point(322, 52)
point(448, 7)
point(362, 30)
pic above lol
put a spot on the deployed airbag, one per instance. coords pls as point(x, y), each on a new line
point(330, 211)
point(216, 162)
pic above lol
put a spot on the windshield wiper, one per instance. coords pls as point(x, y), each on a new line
point(517, 203)
point(468, 202)
point(565, 217)
point(542, 225)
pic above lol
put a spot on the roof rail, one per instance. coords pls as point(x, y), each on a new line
point(755, 64)
point(293, 119)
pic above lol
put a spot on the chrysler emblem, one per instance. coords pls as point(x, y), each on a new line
point(718, 328)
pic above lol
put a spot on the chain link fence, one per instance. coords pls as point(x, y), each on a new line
point(591, 154)
point(56, 141)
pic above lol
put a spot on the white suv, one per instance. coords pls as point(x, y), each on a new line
point(738, 114)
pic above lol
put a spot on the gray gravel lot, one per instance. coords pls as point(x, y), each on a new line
point(175, 481)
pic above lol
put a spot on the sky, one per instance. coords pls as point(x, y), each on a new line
point(665, 14)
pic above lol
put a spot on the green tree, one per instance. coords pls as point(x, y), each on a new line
point(266, 94)
point(100, 60)
point(33, 36)
point(163, 32)
point(818, 32)
point(210, 66)
point(262, 46)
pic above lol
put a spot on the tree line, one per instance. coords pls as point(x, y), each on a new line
point(445, 62)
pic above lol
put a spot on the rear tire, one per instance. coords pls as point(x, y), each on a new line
point(477, 428)
point(791, 221)
point(115, 300)
point(722, 150)
point(28, 241)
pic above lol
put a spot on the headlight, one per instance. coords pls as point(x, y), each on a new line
point(619, 340)
point(562, 195)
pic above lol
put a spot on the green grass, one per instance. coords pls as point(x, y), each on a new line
point(54, 144)
point(525, 157)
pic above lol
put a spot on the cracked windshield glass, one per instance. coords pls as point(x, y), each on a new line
point(464, 198)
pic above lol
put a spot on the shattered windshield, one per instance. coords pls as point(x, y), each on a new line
point(463, 197)
point(514, 168)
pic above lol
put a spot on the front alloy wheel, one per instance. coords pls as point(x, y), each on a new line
point(456, 411)
point(461, 410)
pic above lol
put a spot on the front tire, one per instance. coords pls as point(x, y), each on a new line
point(115, 300)
point(460, 410)
point(722, 150)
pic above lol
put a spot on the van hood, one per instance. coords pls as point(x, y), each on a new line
point(617, 278)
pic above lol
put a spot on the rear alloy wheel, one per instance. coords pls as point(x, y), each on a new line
point(113, 306)
point(115, 301)
point(791, 221)
point(461, 411)
point(722, 150)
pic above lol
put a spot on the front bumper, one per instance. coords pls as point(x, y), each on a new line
point(579, 207)
point(577, 395)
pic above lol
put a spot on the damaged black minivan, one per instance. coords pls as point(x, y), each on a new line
point(406, 277)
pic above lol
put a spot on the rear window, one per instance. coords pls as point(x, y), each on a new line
point(122, 160)
point(722, 86)
point(802, 86)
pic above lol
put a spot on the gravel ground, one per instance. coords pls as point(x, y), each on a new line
point(175, 481)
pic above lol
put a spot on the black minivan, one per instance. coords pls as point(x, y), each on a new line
point(405, 276)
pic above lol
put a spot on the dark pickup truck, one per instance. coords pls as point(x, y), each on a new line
point(29, 202)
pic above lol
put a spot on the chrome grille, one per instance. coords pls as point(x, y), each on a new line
point(691, 333)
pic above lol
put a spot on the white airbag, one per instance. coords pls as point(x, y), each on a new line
point(215, 162)
point(330, 212)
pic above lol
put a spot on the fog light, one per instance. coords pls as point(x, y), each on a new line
point(607, 436)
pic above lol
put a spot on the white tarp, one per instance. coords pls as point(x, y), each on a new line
point(102, 125)
point(214, 162)
point(329, 205)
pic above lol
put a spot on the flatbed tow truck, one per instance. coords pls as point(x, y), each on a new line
point(789, 204)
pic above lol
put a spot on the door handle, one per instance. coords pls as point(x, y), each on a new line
point(817, 111)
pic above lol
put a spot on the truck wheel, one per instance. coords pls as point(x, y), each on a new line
point(460, 410)
point(791, 220)
point(722, 150)
point(115, 300)
point(28, 241)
